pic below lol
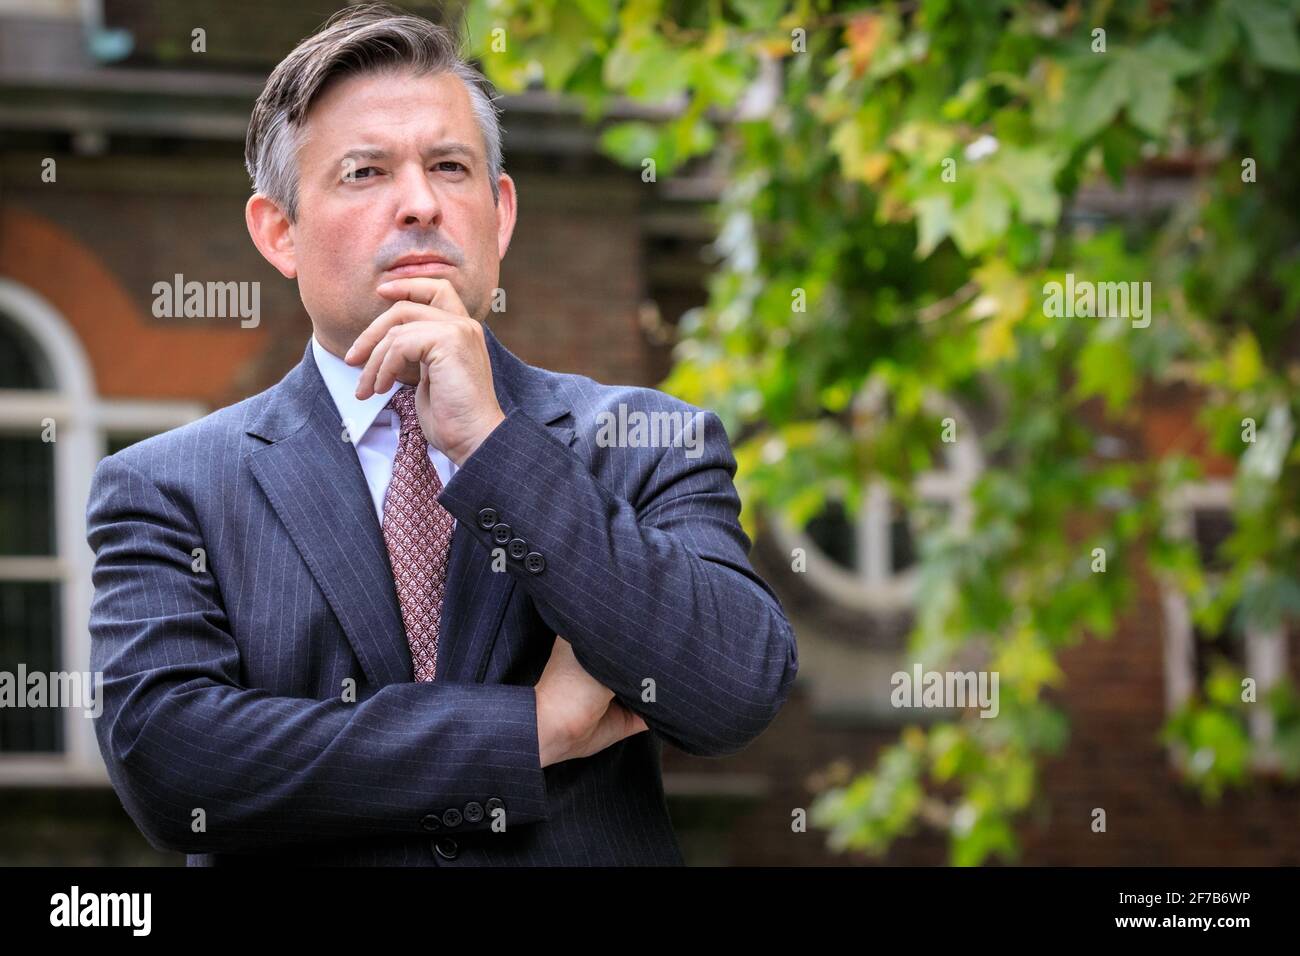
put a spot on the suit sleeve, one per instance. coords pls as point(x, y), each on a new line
point(179, 734)
point(654, 596)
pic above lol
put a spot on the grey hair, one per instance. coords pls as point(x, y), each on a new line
point(370, 38)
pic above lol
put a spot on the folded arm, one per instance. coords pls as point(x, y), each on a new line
point(660, 590)
point(179, 734)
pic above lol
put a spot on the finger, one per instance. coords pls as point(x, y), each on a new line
point(384, 366)
point(402, 360)
point(372, 336)
point(374, 333)
point(402, 312)
point(372, 381)
point(426, 290)
point(366, 381)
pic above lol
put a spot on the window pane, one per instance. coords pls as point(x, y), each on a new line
point(21, 363)
point(1223, 645)
point(832, 532)
point(1213, 527)
point(29, 635)
point(906, 526)
point(902, 549)
point(26, 495)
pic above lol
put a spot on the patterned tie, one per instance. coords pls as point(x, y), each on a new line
point(417, 530)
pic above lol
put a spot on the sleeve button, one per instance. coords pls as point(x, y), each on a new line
point(487, 519)
point(501, 533)
point(535, 563)
point(518, 548)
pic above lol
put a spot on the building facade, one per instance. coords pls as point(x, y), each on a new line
point(122, 168)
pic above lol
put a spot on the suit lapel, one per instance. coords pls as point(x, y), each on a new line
point(472, 610)
point(313, 479)
point(477, 595)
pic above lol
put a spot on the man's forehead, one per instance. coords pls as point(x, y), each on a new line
point(380, 109)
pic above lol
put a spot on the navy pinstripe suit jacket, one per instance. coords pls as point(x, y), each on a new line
point(228, 728)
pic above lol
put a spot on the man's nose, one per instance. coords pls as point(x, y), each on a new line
point(418, 203)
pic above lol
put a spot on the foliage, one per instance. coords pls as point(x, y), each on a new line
point(917, 282)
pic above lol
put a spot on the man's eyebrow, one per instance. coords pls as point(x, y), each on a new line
point(438, 149)
point(364, 152)
point(450, 149)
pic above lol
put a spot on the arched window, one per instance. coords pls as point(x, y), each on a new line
point(32, 578)
point(53, 431)
point(868, 564)
point(1201, 512)
point(22, 363)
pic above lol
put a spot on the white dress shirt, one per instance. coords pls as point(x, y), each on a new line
point(374, 429)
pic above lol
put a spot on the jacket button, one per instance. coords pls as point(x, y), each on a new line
point(430, 821)
point(446, 848)
point(518, 548)
point(487, 519)
point(451, 817)
point(535, 563)
point(473, 812)
point(501, 533)
point(492, 806)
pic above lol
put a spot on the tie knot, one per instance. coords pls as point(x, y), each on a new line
point(403, 402)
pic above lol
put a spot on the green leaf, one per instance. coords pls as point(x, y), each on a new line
point(478, 24)
point(1029, 175)
point(934, 222)
point(560, 56)
point(1167, 56)
point(692, 135)
point(758, 13)
point(718, 79)
point(1151, 100)
point(597, 12)
point(648, 69)
point(633, 142)
point(977, 224)
point(1105, 368)
point(1271, 31)
point(1245, 364)
point(1099, 98)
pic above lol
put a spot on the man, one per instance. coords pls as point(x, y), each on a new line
point(408, 605)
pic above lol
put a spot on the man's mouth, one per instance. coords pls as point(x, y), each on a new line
point(419, 265)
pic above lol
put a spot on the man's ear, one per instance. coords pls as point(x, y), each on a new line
point(272, 234)
point(506, 212)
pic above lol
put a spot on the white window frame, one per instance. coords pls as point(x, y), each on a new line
point(84, 422)
point(1266, 650)
point(873, 587)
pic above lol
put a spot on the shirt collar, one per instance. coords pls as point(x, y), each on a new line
point(341, 380)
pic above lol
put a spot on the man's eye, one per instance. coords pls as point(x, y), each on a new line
point(361, 173)
point(459, 167)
